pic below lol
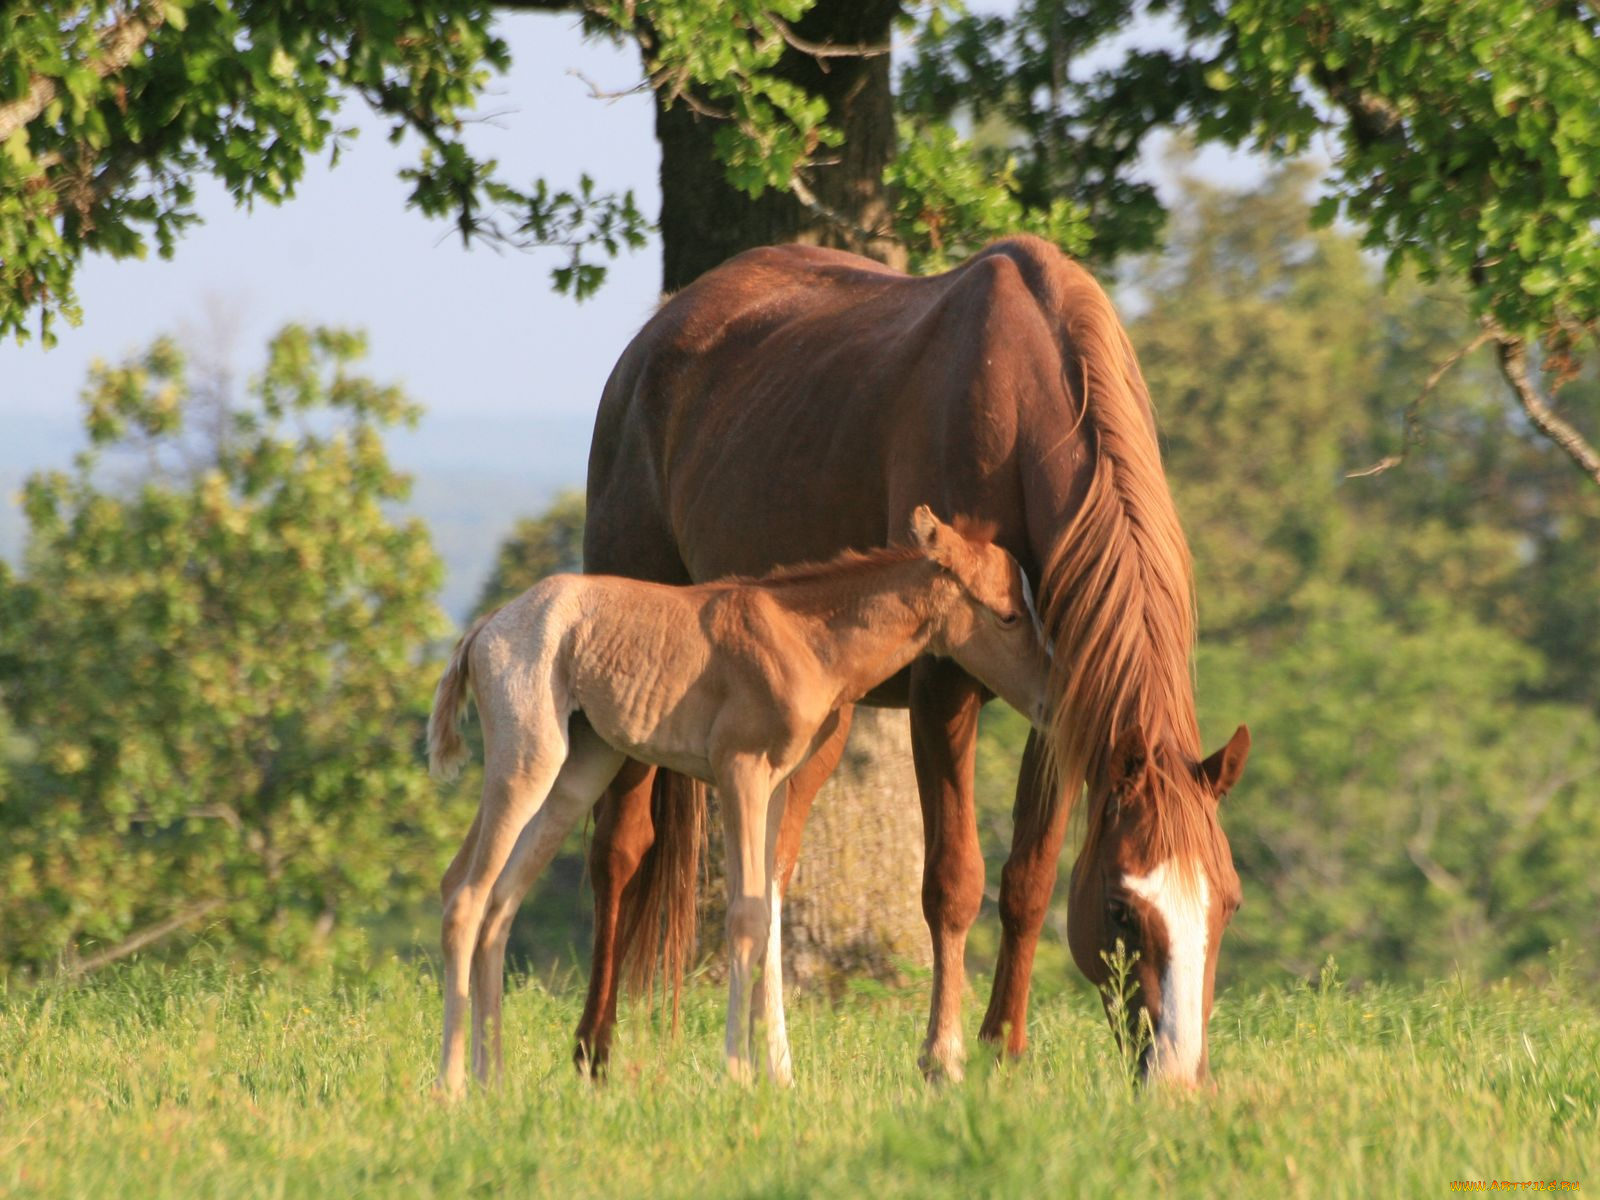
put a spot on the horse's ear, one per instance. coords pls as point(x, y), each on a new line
point(1130, 756)
point(1222, 769)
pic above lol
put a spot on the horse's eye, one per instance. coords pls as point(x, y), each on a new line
point(1007, 620)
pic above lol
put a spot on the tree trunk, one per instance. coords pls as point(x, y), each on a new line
point(852, 907)
point(705, 221)
point(854, 901)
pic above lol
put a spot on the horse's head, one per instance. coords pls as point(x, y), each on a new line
point(991, 626)
point(1156, 874)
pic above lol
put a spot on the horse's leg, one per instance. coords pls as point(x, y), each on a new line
point(512, 793)
point(590, 766)
point(623, 831)
point(802, 788)
point(1025, 886)
point(944, 731)
point(747, 792)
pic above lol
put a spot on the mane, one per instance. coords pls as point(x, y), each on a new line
point(842, 565)
point(1118, 590)
point(852, 562)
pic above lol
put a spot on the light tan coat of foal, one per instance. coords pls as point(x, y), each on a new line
point(734, 682)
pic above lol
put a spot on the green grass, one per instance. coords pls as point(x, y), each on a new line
point(200, 1082)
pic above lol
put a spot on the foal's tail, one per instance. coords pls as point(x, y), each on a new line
point(446, 748)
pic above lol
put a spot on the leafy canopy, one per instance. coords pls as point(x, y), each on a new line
point(1466, 131)
point(214, 666)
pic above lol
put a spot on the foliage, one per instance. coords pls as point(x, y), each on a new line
point(108, 110)
point(548, 544)
point(208, 1083)
point(1467, 130)
point(1052, 136)
point(216, 666)
point(948, 204)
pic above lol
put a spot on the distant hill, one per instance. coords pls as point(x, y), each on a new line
point(474, 475)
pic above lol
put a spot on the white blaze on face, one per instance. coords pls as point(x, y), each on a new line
point(1184, 908)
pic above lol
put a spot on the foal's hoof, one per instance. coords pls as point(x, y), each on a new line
point(943, 1063)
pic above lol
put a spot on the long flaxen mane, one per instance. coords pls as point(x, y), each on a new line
point(1118, 591)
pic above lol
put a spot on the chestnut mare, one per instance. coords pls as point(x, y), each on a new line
point(733, 683)
point(798, 400)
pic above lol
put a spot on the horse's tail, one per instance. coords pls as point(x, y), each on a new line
point(661, 904)
point(447, 750)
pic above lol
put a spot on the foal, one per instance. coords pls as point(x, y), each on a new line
point(734, 683)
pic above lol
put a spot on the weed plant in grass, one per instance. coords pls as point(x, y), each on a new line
point(202, 1082)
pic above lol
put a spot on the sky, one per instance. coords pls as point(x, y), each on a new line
point(480, 338)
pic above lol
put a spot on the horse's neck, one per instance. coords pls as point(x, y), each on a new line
point(864, 625)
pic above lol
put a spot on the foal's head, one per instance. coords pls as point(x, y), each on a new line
point(990, 625)
point(1156, 875)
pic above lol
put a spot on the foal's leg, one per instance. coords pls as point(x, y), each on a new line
point(591, 764)
point(944, 729)
point(514, 787)
point(1025, 886)
point(802, 788)
point(746, 788)
point(457, 870)
point(623, 831)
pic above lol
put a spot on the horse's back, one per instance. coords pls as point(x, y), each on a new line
point(817, 397)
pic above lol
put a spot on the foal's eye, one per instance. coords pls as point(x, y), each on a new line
point(1007, 620)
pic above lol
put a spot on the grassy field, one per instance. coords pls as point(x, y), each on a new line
point(206, 1083)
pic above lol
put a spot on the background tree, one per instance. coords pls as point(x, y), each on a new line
point(215, 665)
point(1465, 131)
point(1465, 136)
point(536, 547)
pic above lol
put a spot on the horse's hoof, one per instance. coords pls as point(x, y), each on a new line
point(590, 1063)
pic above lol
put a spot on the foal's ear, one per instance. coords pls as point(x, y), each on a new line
point(1222, 769)
point(924, 528)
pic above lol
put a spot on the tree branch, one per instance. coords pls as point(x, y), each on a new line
point(118, 45)
point(1413, 433)
point(1513, 356)
point(145, 937)
point(826, 50)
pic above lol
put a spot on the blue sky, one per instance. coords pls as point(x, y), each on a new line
point(472, 334)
